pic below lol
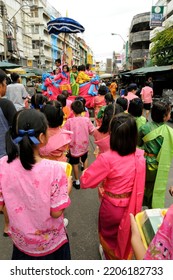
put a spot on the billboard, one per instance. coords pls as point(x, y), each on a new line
point(156, 16)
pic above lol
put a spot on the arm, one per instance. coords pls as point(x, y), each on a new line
point(59, 192)
point(136, 242)
point(57, 214)
point(95, 173)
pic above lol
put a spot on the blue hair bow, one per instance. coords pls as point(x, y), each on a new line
point(30, 133)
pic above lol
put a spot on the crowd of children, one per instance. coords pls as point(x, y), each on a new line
point(133, 158)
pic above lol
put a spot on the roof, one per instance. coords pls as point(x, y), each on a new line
point(145, 70)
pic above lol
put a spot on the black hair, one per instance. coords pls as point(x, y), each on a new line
point(38, 100)
point(147, 83)
point(65, 93)
point(109, 112)
point(82, 99)
point(135, 107)
point(102, 90)
point(77, 107)
point(81, 67)
point(109, 98)
point(160, 110)
point(74, 66)
point(25, 120)
point(14, 77)
point(65, 65)
point(58, 60)
point(132, 87)
point(123, 134)
point(3, 76)
point(54, 114)
point(88, 66)
point(122, 102)
point(62, 99)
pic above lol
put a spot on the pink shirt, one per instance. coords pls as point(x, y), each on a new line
point(81, 128)
point(147, 94)
point(29, 196)
point(117, 173)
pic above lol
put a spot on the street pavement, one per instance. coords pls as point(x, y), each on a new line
point(83, 217)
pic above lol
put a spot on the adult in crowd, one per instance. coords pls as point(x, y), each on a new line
point(7, 112)
point(16, 92)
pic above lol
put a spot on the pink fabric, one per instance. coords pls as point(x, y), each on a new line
point(119, 175)
point(147, 94)
point(83, 114)
point(102, 140)
point(29, 196)
point(81, 128)
point(161, 247)
point(58, 144)
point(99, 101)
point(130, 96)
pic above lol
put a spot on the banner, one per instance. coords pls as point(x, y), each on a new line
point(156, 16)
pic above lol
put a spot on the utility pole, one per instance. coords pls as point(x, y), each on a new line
point(3, 14)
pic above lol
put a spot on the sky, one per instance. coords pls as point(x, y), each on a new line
point(100, 19)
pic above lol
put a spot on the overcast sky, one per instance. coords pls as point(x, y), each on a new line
point(101, 18)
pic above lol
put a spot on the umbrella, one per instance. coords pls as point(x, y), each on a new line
point(8, 65)
point(64, 25)
point(16, 70)
point(106, 76)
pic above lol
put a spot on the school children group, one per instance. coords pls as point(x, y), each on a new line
point(133, 158)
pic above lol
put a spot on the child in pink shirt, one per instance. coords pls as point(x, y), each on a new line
point(146, 96)
point(59, 139)
point(35, 192)
point(99, 101)
point(81, 128)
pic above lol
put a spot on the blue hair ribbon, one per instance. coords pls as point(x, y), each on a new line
point(30, 133)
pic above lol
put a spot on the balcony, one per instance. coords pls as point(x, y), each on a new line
point(140, 22)
point(139, 36)
point(139, 54)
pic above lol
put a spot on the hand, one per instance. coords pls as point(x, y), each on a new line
point(171, 190)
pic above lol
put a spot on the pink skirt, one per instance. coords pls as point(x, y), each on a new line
point(109, 220)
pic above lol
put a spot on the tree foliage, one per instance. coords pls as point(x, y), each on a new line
point(162, 51)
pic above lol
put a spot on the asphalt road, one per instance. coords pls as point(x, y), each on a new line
point(82, 216)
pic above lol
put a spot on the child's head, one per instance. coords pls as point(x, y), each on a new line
point(65, 93)
point(38, 100)
point(135, 107)
point(62, 99)
point(15, 77)
point(122, 102)
point(3, 84)
point(58, 62)
point(65, 68)
point(54, 114)
point(82, 99)
point(160, 111)
point(109, 112)
point(132, 87)
point(123, 134)
point(28, 130)
point(88, 66)
point(102, 90)
point(77, 107)
point(74, 68)
point(81, 67)
point(109, 98)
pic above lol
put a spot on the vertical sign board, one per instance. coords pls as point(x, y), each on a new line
point(156, 16)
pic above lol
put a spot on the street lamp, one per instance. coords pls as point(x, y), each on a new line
point(117, 34)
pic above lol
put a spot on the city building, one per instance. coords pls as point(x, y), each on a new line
point(139, 40)
point(24, 37)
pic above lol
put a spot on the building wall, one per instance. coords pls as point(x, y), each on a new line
point(139, 40)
